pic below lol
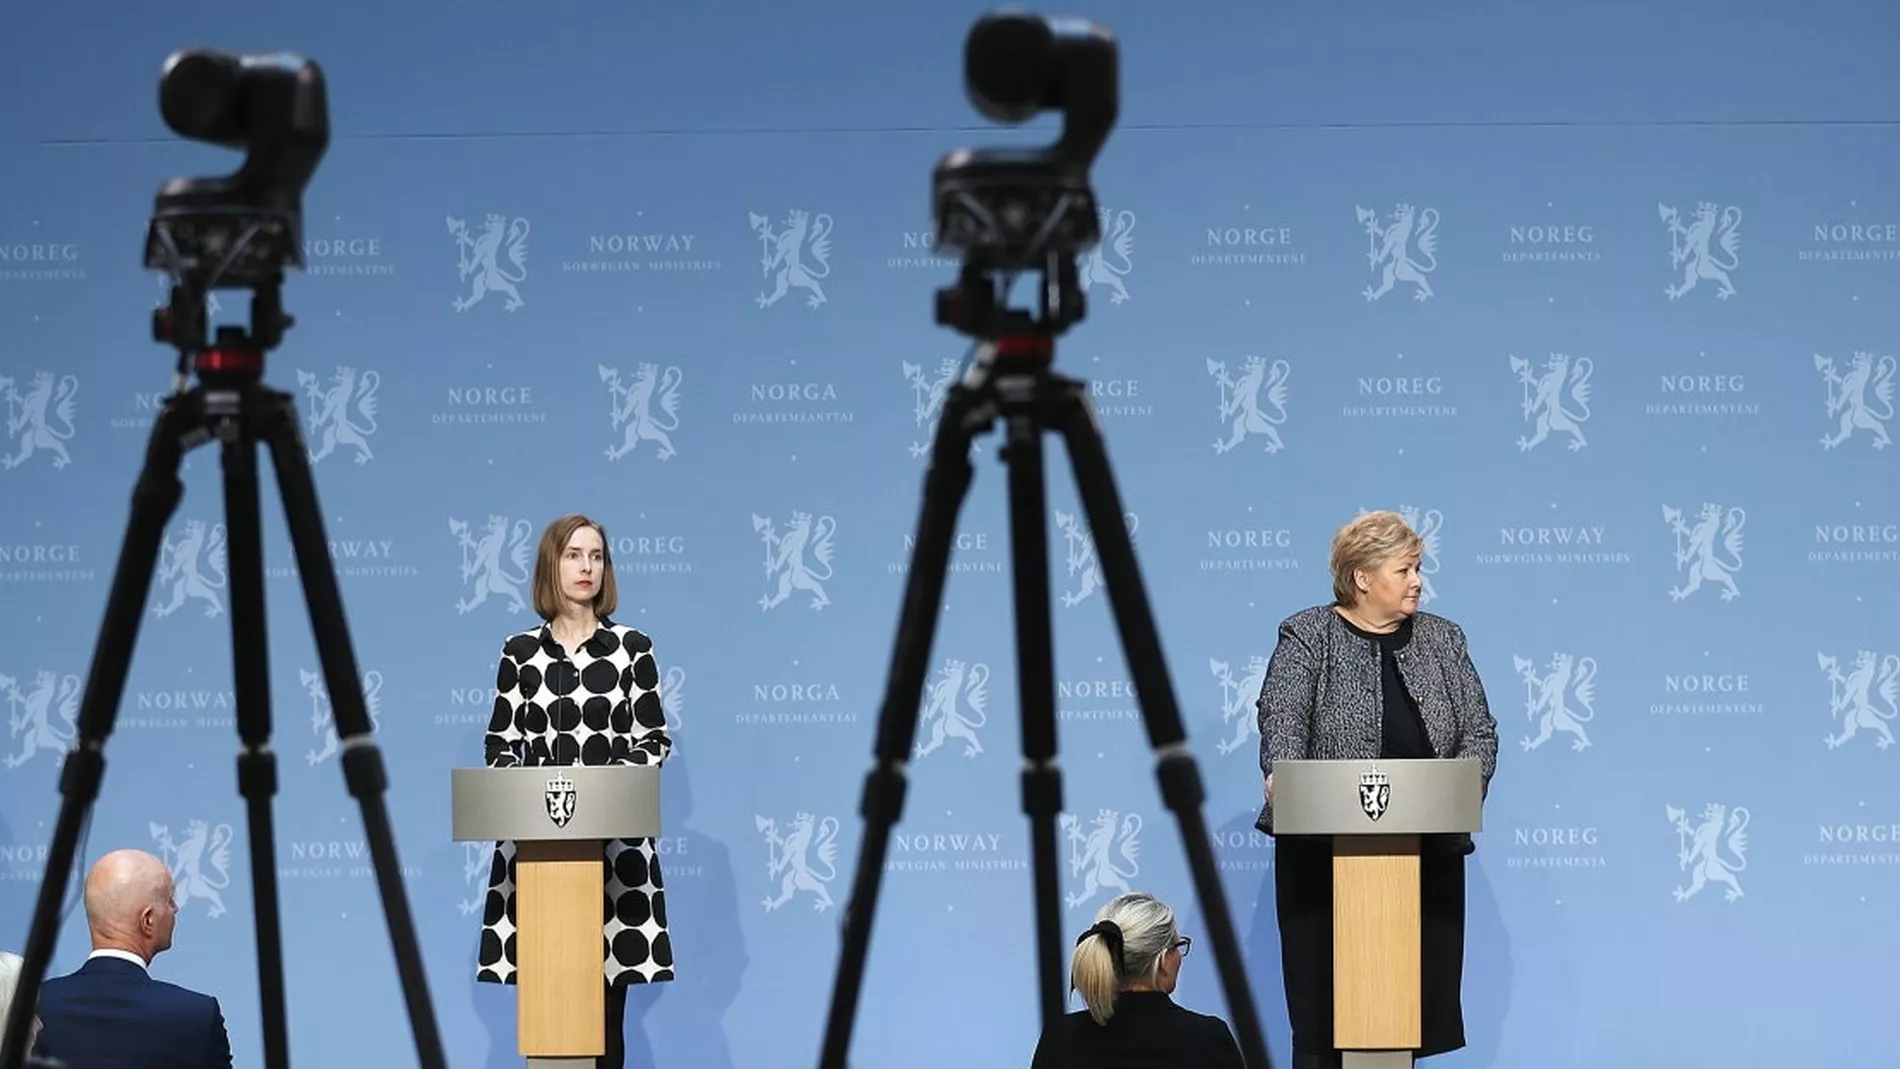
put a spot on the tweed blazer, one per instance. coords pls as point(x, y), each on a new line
point(1323, 696)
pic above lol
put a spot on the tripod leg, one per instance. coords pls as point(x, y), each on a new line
point(945, 484)
point(361, 759)
point(1179, 777)
point(1036, 687)
point(257, 766)
point(154, 499)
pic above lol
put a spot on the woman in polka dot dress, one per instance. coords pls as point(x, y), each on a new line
point(582, 690)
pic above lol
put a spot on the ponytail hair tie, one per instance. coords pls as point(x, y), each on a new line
point(1111, 934)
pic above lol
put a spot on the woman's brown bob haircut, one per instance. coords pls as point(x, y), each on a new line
point(547, 568)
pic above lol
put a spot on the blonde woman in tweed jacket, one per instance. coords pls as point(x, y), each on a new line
point(1370, 676)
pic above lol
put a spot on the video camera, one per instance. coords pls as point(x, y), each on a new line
point(237, 231)
point(1014, 210)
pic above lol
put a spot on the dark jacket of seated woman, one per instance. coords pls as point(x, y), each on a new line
point(1125, 968)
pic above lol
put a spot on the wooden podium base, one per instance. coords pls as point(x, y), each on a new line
point(562, 1001)
point(1377, 1005)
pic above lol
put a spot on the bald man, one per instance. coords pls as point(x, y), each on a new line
point(111, 1014)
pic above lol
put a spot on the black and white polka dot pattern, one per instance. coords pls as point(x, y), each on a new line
point(598, 707)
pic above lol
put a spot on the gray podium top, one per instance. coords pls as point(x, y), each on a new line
point(556, 802)
point(1359, 797)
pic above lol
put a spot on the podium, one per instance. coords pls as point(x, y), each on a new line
point(558, 818)
point(1375, 813)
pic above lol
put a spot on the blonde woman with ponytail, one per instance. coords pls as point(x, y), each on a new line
point(1125, 968)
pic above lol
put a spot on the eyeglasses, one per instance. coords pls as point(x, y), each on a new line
point(1183, 944)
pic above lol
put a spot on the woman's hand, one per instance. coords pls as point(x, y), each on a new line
point(1269, 786)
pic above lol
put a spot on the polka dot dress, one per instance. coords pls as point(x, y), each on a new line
point(599, 707)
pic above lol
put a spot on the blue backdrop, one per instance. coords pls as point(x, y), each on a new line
point(1601, 295)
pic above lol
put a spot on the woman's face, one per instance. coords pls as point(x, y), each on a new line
point(581, 563)
point(1389, 591)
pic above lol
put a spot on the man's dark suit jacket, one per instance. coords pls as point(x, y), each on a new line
point(111, 1014)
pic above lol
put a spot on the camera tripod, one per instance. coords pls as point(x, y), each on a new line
point(232, 406)
point(1012, 380)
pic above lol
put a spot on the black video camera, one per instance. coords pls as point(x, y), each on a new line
point(1008, 211)
point(237, 231)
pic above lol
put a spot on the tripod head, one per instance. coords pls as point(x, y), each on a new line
point(1014, 210)
point(241, 230)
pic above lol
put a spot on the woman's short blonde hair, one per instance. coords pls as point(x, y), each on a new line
point(1367, 542)
point(547, 568)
